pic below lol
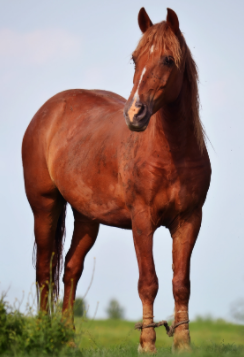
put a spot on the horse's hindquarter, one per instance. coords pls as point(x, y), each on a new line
point(82, 155)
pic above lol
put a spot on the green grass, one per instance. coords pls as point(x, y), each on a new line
point(208, 337)
point(129, 351)
point(44, 335)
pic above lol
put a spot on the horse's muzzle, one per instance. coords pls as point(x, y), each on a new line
point(136, 115)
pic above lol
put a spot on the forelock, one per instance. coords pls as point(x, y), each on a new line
point(160, 36)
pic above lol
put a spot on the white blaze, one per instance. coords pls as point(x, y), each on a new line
point(136, 96)
point(152, 49)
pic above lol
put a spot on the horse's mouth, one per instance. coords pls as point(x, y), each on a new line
point(136, 127)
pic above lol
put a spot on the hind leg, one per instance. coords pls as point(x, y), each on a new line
point(46, 217)
point(46, 203)
point(84, 236)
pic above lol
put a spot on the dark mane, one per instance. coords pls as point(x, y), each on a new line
point(161, 36)
point(192, 79)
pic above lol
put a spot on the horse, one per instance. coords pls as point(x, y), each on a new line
point(155, 171)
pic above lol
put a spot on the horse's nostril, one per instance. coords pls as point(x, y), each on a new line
point(139, 104)
point(142, 110)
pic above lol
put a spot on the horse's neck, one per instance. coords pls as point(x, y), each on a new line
point(173, 125)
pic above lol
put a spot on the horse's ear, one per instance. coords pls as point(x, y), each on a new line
point(172, 20)
point(144, 20)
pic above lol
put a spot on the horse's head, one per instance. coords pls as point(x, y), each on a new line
point(159, 62)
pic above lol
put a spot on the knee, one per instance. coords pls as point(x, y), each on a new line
point(148, 289)
point(181, 289)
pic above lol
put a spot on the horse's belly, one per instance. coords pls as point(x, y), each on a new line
point(100, 206)
point(97, 196)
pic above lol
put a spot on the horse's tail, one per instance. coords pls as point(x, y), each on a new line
point(59, 245)
point(58, 254)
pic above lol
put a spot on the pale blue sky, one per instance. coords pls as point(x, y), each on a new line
point(50, 46)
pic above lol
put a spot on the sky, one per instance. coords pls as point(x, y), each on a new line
point(52, 45)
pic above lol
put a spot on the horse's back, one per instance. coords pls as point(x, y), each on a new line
point(71, 145)
point(67, 112)
point(81, 122)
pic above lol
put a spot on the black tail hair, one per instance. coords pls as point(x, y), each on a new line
point(59, 245)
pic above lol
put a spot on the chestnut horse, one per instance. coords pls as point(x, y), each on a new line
point(77, 149)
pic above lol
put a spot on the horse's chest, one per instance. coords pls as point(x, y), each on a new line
point(173, 195)
point(169, 189)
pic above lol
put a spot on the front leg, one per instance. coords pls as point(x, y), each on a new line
point(148, 281)
point(184, 236)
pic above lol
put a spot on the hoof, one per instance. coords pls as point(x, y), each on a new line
point(181, 349)
point(181, 342)
point(149, 349)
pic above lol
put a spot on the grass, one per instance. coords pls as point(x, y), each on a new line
point(209, 338)
point(212, 351)
point(45, 335)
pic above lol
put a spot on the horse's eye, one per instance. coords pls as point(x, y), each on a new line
point(168, 61)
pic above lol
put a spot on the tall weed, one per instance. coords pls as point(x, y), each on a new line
point(43, 334)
